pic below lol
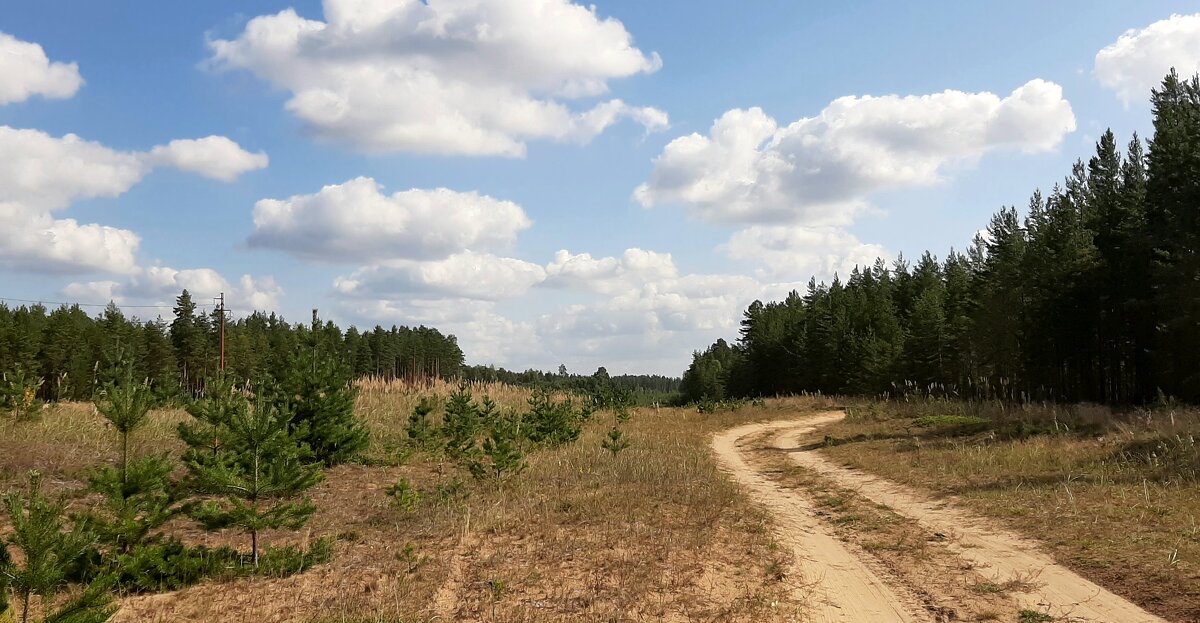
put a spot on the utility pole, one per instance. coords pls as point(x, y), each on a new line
point(222, 331)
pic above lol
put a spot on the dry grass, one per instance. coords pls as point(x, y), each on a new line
point(1124, 519)
point(656, 534)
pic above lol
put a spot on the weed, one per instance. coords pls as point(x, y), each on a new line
point(404, 496)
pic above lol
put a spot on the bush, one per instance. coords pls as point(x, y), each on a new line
point(502, 455)
point(18, 394)
point(421, 432)
point(170, 565)
point(404, 496)
point(1175, 457)
point(552, 422)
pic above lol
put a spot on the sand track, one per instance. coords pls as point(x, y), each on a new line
point(836, 581)
point(845, 587)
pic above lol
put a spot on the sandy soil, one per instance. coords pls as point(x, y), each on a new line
point(849, 589)
point(837, 582)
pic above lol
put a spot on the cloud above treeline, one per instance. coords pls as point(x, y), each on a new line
point(458, 77)
point(1137, 61)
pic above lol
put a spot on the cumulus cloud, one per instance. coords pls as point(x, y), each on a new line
point(819, 170)
point(28, 72)
point(42, 174)
point(475, 77)
point(1137, 61)
point(652, 328)
point(216, 157)
point(47, 172)
point(484, 334)
point(481, 276)
point(795, 252)
point(356, 221)
point(161, 284)
point(35, 241)
point(609, 274)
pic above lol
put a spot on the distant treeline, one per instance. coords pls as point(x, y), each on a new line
point(72, 351)
point(642, 388)
point(1093, 294)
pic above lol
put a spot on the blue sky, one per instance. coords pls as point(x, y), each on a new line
point(539, 119)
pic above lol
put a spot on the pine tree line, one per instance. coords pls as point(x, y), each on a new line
point(70, 352)
point(1092, 294)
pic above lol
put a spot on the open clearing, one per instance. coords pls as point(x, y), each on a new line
point(849, 586)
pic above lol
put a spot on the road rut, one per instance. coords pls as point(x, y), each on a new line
point(846, 587)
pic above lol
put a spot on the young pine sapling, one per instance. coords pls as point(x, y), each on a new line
point(49, 554)
point(254, 468)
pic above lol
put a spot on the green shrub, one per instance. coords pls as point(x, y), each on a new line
point(615, 441)
point(502, 456)
point(404, 496)
point(552, 422)
point(421, 432)
point(317, 391)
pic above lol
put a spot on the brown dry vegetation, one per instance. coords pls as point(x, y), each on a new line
point(1097, 488)
point(656, 534)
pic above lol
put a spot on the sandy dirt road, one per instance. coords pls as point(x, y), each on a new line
point(836, 582)
point(845, 587)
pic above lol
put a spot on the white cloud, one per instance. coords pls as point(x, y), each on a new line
point(484, 335)
point(469, 275)
point(355, 221)
point(609, 274)
point(41, 174)
point(161, 284)
point(793, 252)
point(636, 312)
point(653, 328)
point(1137, 61)
point(47, 172)
point(34, 241)
point(27, 72)
point(215, 157)
point(476, 77)
point(820, 170)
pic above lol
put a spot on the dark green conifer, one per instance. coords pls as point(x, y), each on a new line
point(243, 453)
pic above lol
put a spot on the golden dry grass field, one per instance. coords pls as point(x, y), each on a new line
point(656, 533)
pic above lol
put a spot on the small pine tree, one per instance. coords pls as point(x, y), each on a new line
point(254, 466)
point(552, 422)
point(138, 499)
point(126, 404)
point(18, 394)
point(502, 456)
point(461, 424)
point(615, 441)
point(49, 553)
point(317, 391)
point(404, 496)
point(420, 431)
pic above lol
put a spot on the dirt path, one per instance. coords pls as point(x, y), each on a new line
point(992, 550)
point(837, 582)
